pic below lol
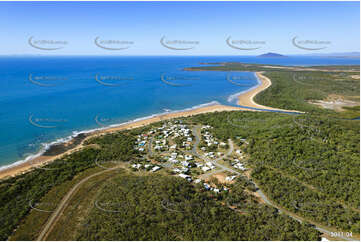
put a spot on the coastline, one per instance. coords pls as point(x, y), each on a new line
point(40, 159)
point(247, 98)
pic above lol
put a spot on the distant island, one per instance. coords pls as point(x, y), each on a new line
point(270, 54)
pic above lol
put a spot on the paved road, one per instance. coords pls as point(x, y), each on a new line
point(61, 207)
point(215, 161)
point(259, 191)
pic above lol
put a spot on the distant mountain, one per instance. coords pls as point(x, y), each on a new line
point(270, 54)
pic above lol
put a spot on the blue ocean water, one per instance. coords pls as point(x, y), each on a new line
point(46, 99)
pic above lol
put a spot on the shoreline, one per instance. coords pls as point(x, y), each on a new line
point(40, 159)
point(247, 98)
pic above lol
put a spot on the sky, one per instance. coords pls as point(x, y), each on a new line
point(178, 28)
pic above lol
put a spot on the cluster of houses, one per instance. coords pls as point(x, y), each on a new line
point(240, 154)
point(210, 188)
point(208, 137)
point(141, 142)
point(213, 155)
point(183, 162)
point(205, 167)
point(172, 130)
point(238, 165)
point(210, 141)
point(214, 189)
point(150, 167)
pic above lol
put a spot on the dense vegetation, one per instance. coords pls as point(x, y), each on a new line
point(158, 207)
point(316, 153)
point(16, 194)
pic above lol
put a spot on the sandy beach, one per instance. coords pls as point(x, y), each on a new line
point(245, 99)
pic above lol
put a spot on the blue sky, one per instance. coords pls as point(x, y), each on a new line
point(270, 26)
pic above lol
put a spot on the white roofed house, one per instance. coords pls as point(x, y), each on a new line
point(188, 157)
point(205, 168)
point(176, 170)
point(137, 166)
point(184, 169)
point(230, 178)
point(239, 166)
point(186, 177)
point(156, 168)
point(210, 165)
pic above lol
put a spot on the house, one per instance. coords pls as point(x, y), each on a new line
point(222, 144)
point(205, 168)
point(176, 170)
point(136, 166)
point(230, 178)
point(210, 165)
point(173, 160)
point(185, 169)
point(184, 176)
point(239, 166)
point(206, 186)
point(187, 177)
point(197, 181)
point(188, 157)
point(156, 168)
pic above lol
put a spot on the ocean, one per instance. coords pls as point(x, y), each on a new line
point(45, 100)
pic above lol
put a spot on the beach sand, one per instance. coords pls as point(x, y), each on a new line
point(245, 99)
